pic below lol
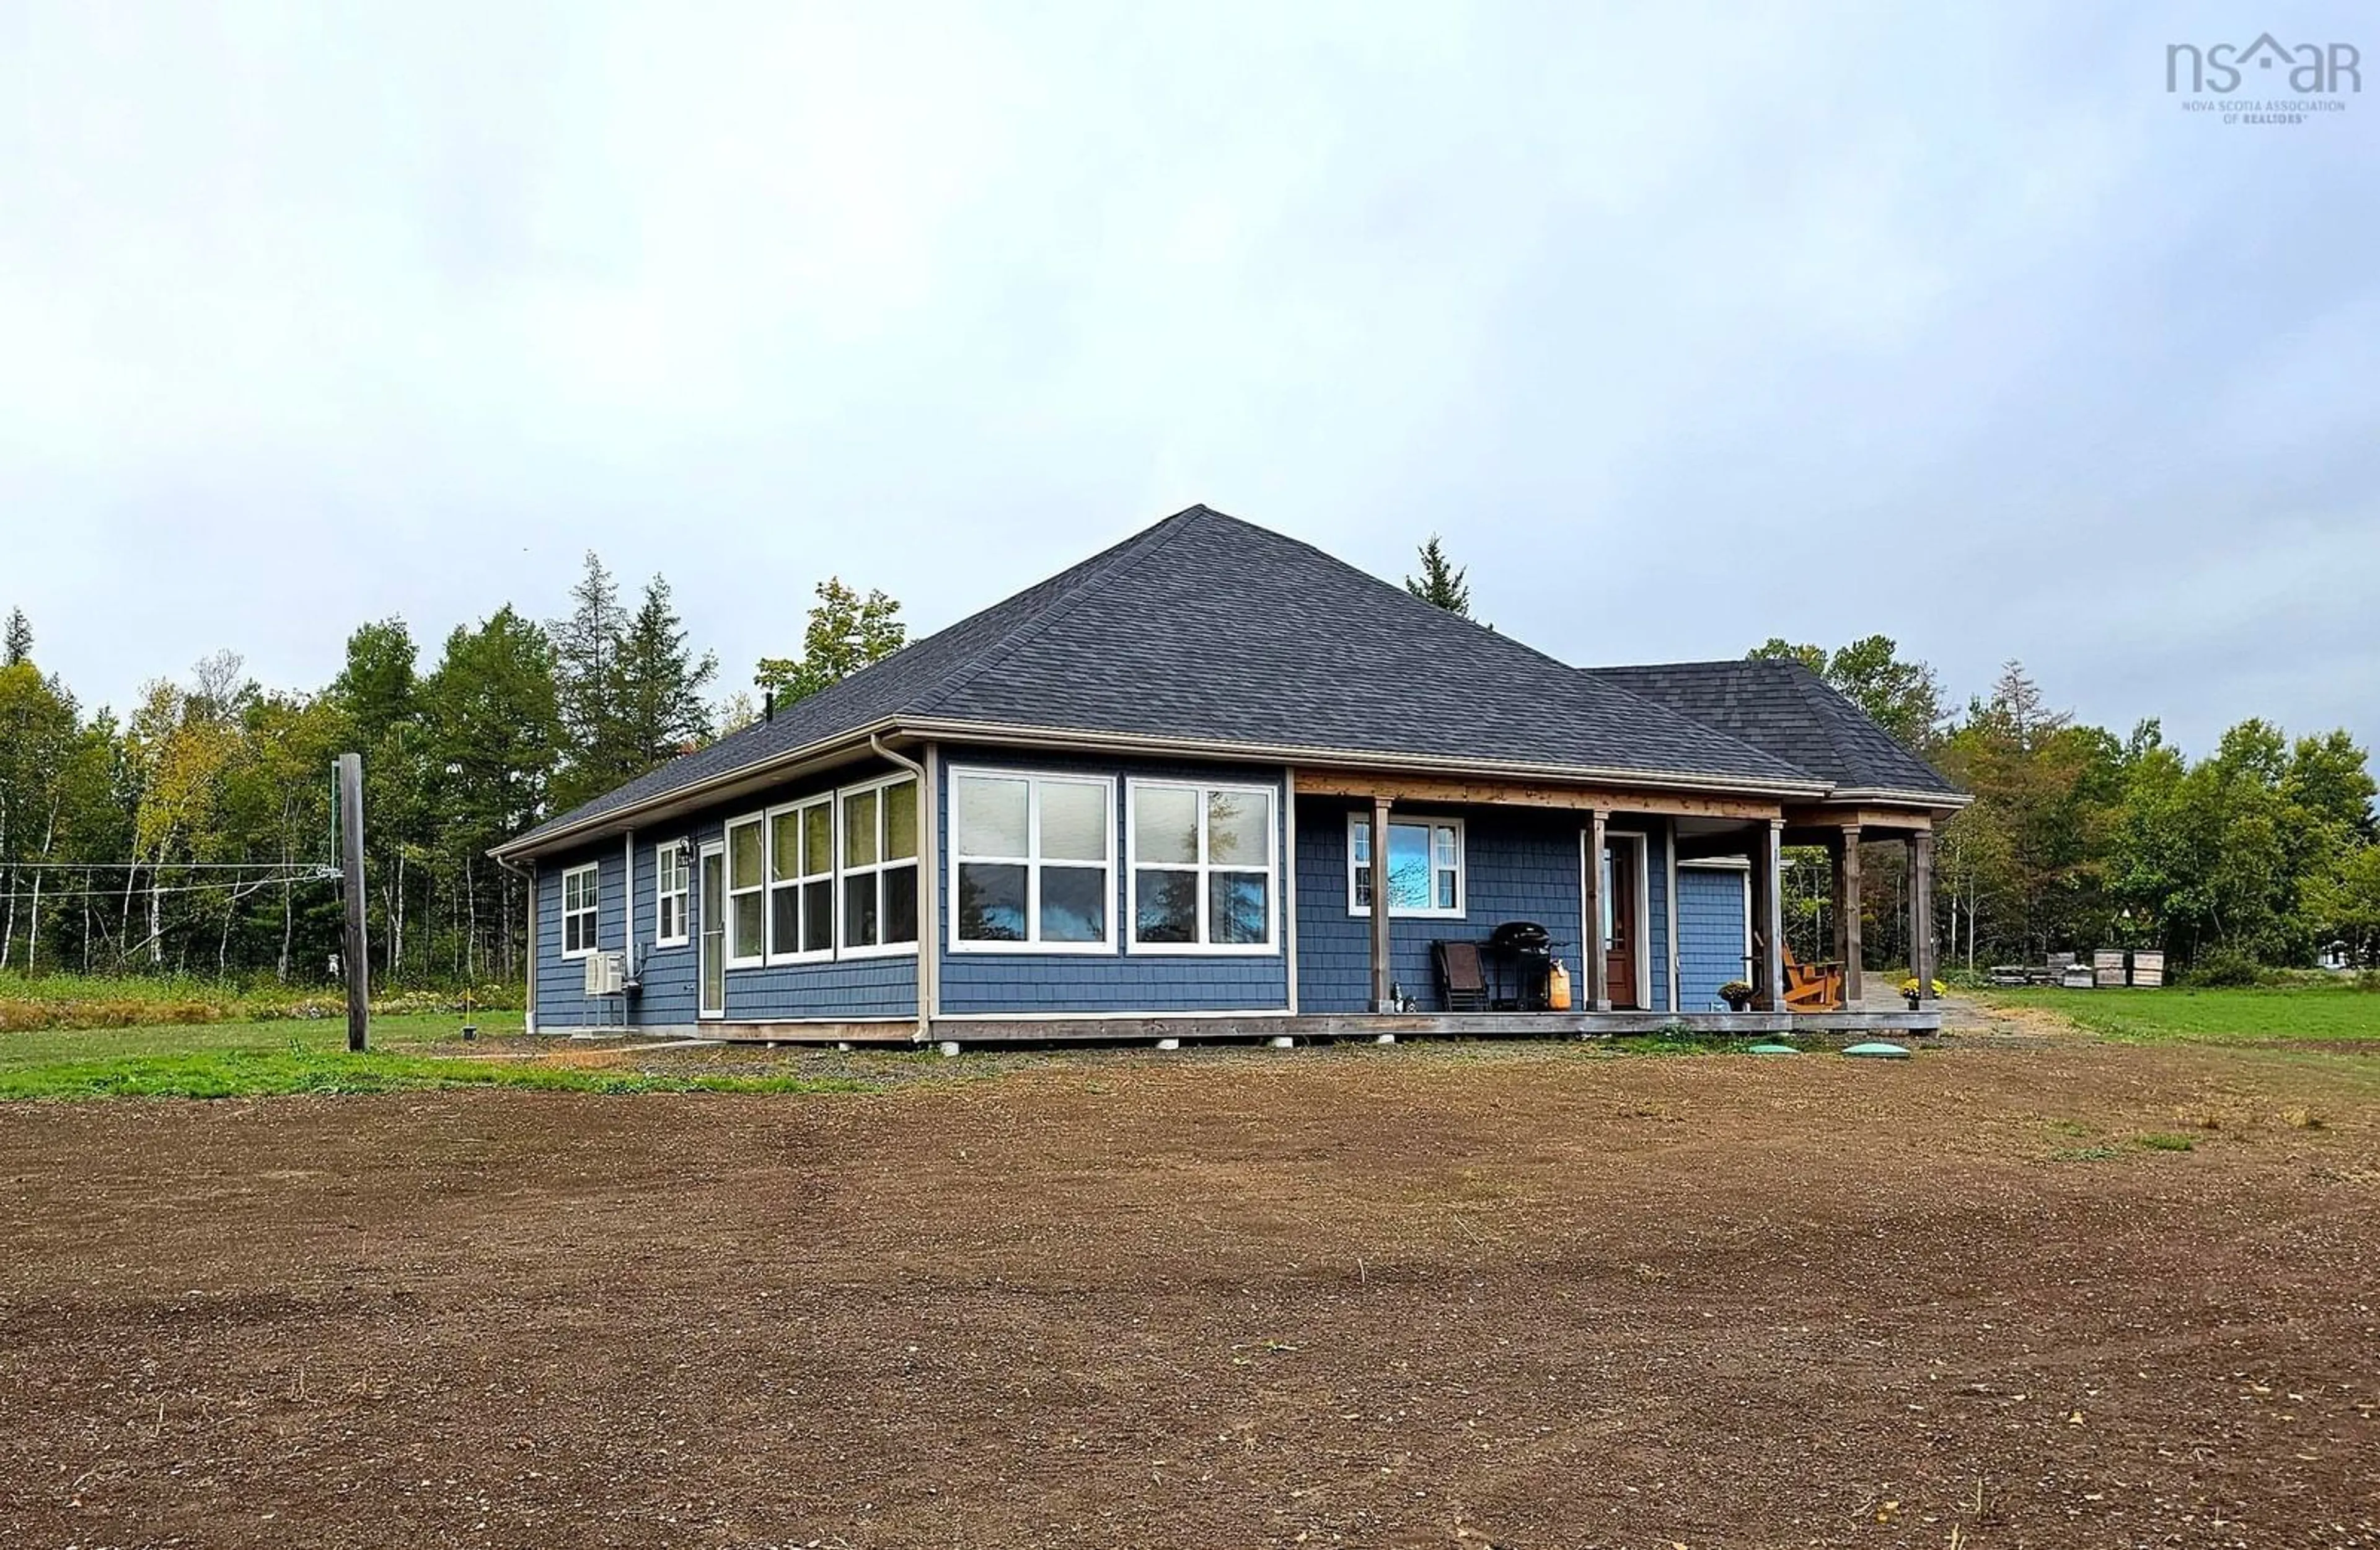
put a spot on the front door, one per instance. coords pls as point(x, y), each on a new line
point(1621, 858)
point(711, 903)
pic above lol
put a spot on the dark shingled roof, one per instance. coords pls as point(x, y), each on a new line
point(1792, 712)
point(1205, 628)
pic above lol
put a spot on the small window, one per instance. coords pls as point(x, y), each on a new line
point(878, 829)
point(1202, 867)
point(670, 877)
point(582, 898)
point(1424, 865)
point(747, 878)
point(801, 880)
point(1032, 862)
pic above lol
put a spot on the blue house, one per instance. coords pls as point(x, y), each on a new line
point(1215, 783)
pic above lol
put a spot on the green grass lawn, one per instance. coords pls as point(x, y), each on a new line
point(2309, 1012)
point(278, 1057)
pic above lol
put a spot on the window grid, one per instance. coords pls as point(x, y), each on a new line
point(1443, 884)
point(672, 882)
point(877, 901)
point(582, 897)
point(801, 880)
point(747, 939)
point(1203, 869)
point(1035, 863)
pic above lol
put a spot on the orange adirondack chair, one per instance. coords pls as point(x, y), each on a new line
point(1812, 987)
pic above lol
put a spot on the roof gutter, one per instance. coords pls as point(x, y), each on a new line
point(1002, 735)
point(791, 759)
point(1897, 797)
point(1345, 758)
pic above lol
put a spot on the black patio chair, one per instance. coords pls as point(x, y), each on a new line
point(1462, 976)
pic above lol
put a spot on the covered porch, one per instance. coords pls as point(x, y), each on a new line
point(1838, 984)
point(1620, 985)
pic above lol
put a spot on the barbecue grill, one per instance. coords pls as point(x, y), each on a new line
point(1528, 949)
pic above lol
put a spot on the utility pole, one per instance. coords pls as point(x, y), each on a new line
point(350, 768)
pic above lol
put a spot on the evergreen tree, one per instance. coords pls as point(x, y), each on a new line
point(589, 690)
point(1441, 582)
point(662, 682)
point(845, 632)
point(17, 647)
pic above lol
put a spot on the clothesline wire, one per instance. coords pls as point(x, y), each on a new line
point(166, 865)
point(245, 885)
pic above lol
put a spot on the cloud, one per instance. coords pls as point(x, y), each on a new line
point(1686, 329)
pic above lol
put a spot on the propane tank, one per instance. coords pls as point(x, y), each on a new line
point(1558, 986)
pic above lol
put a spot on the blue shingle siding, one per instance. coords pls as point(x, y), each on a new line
point(859, 988)
point(1023, 984)
point(1517, 865)
point(1710, 933)
point(559, 979)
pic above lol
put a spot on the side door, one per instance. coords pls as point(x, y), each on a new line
point(711, 931)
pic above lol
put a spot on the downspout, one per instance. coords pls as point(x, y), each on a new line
point(528, 874)
point(930, 882)
point(628, 919)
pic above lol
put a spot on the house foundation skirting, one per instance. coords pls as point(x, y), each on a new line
point(1362, 1027)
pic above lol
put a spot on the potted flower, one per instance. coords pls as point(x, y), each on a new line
point(1908, 990)
point(1736, 994)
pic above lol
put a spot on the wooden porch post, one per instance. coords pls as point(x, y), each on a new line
point(1847, 933)
point(1921, 912)
point(1595, 969)
point(1768, 913)
point(1380, 904)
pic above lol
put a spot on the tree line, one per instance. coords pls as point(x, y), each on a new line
point(188, 834)
point(192, 834)
point(2262, 851)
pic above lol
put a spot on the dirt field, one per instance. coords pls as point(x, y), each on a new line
point(1432, 1296)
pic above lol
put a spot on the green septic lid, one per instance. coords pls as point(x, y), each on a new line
point(1772, 1049)
point(1879, 1051)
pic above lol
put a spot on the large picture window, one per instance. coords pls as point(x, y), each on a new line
point(582, 899)
point(879, 830)
point(747, 906)
point(670, 880)
point(1424, 865)
point(1032, 862)
point(1202, 867)
point(801, 879)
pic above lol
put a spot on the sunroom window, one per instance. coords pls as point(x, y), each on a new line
point(1424, 865)
point(801, 879)
point(746, 878)
point(1202, 867)
point(1032, 861)
point(880, 866)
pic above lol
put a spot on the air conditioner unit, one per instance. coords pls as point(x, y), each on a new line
point(607, 973)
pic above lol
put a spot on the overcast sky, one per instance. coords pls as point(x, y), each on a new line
point(1684, 329)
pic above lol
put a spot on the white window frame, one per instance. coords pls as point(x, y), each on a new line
point(591, 904)
point(768, 883)
point(876, 869)
point(1201, 868)
point(1362, 820)
point(674, 858)
point(727, 848)
point(1033, 863)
